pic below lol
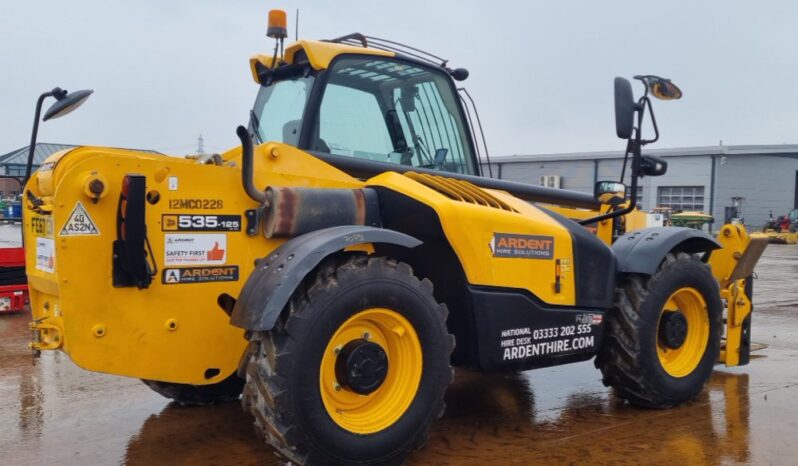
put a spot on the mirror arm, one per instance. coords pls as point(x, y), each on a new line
point(629, 150)
point(653, 122)
point(34, 133)
point(635, 149)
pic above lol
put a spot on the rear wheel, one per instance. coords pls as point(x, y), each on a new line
point(228, 389)
point(663, 336)
point(355, 370)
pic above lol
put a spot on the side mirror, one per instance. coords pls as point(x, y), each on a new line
point(663, 89)
point(610, 192)
point(624, 108)
point(653, 166)
point(66, 102)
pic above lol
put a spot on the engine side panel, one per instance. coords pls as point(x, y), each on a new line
point(523, 249)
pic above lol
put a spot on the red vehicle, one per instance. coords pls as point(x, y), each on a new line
point(13, 282)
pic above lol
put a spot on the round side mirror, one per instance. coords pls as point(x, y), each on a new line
point(66, 103)
point(624, 108)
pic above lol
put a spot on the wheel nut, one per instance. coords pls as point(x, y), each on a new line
point(337, 350)
point(366, 335)
point(337, 387)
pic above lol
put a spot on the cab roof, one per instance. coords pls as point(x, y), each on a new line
point(319, 54)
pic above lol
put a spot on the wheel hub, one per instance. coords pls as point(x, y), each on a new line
point(673, 329)
point(361, 366)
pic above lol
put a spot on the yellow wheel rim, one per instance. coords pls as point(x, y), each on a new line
point(367, 414)
point(681, 361)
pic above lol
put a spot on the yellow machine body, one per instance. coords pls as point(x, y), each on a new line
point(176, 331)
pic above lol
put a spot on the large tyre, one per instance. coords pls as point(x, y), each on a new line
point(228, 389)
point(663, 335)
point(355, 370)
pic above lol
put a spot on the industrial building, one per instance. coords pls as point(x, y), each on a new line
point(698, 179)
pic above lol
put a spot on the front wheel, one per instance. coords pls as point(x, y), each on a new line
point(355, 370)
point(663, 335)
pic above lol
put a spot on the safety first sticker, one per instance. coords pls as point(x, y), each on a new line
point(195, 249)
point(79, 223)
point(227, 273)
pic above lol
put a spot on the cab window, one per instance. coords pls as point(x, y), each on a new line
point(392, 111)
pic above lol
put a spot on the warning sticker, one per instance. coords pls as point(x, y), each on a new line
point(45, 254)
point(195, 249)
point(200, 275)
point(522, 246)
point(79, 223)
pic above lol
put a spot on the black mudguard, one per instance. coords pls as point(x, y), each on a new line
point(275, 277)
point(642, 251)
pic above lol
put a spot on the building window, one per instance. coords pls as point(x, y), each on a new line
point(681, 198)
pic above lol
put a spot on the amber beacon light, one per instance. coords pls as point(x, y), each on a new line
point(278, 25)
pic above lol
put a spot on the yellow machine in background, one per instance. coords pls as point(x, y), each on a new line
point(328, 265)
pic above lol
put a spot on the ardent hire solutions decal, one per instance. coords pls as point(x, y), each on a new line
point(228, 273)
point(522, 246)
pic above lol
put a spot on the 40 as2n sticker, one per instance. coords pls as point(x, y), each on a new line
point(188, 222)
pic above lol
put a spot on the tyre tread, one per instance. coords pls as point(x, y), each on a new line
point(267, 400)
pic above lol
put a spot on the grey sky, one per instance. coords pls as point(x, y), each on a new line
point(541, 71)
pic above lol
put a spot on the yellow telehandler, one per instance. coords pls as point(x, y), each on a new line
point(336, 265)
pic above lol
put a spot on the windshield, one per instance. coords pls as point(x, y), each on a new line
point(379, 109)
point(279, 107)
point(392, 111)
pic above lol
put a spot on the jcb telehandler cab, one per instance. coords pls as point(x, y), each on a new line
point(337, 269)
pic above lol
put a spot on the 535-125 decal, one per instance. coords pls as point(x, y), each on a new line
point(189, 222)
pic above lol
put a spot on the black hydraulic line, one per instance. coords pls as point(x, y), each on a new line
point(364, 169)
point(247, 167)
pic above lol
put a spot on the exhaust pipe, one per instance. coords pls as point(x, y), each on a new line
point(247, 167)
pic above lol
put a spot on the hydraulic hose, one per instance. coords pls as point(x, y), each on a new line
point(247, 167)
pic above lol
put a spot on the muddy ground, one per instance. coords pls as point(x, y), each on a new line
point(52, 412)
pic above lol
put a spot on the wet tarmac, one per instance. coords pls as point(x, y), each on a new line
point(55, 413)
